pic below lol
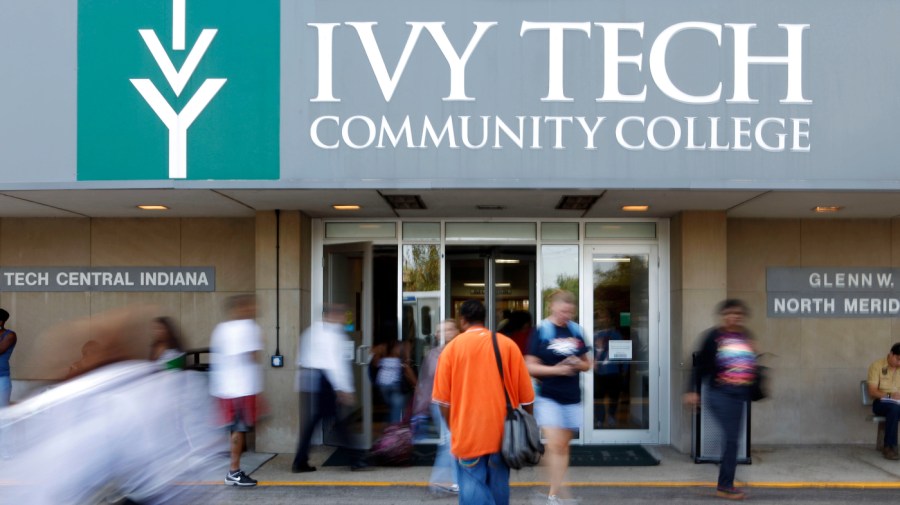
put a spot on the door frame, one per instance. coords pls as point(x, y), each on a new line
point(361, 440)
point(653, 434)
point(667, 387)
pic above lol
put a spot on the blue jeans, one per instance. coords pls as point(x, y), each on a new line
point(483, 481)
point(728, 409)
point(396, 400)
point(891, 413)
point(445, 468)
point(5, 390)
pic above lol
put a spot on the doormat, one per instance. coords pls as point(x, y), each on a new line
point(579, 455)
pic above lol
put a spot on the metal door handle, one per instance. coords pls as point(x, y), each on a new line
point(361, 357)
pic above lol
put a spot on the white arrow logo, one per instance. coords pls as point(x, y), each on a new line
point(178, 123)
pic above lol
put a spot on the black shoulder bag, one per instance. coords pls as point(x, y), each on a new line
point(521, 445)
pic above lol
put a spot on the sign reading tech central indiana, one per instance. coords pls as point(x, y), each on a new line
point(178, 89)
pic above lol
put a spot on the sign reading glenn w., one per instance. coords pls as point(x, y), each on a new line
point(178, 89)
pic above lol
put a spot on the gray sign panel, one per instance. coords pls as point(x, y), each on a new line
point(833, 292)
point(505, 93)
point(151, 279)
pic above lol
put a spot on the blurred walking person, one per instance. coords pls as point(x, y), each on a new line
point(236, 378)
point(444, 472)
point(325, 382)
point(557, 353)
point(726, 362)
point(119, 429)
point(7, 344)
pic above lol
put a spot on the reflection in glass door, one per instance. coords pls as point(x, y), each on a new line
point(347, 275)
point(501, 277)
point(625, 333)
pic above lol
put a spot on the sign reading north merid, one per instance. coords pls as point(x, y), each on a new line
point(178, 89)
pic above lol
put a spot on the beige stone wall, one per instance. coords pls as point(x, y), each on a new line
point(278, 432)
point(698, 282)
point(816, 363)
point(227, 244)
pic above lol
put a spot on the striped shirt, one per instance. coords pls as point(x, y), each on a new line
point(735, 360)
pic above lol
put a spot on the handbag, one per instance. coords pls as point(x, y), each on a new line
point(521, 443)
point(759, 390)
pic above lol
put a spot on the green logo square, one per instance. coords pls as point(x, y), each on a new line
point(178, 89)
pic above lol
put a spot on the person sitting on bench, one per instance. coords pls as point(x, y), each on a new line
point(884, 388)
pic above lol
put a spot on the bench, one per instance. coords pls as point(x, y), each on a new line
point(867, 401)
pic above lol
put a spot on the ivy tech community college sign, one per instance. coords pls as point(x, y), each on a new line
point(621, 70)
point(487, 93)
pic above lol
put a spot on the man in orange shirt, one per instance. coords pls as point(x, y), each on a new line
point(468, 389)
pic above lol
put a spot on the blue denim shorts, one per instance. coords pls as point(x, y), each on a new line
point(550, 414)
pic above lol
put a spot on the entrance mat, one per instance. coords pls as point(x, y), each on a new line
point(423, 455)
point(610, 455)
point(579, 455)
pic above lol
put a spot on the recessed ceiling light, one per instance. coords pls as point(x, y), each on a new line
point(152, 207)
point(346, 207)
point(635, 208)
point(511, 262)
point(827, 208)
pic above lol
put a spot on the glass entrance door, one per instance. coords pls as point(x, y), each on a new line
point(348, 281)
point(621, 395)
point(501, 277)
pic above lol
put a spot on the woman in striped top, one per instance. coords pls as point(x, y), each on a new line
point(726, 362)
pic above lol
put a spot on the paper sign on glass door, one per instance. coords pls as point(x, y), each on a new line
point(620, 349)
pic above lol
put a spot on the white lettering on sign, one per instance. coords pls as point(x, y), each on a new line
point(613, 61)
point(635, 133)
point(27, 278)
point(174, 279)
point(387, 81)
point(872, 306)
point(620, 70)
point(850, 280)
point(804, 305)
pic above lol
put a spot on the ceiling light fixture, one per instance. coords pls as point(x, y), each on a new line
point(827, 208)
point(507, 261)
point(346, 207)
point(152, 207)
point(635, 208)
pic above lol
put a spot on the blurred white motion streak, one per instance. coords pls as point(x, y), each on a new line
point(124, 430)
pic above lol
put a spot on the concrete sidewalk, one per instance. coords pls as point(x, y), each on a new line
point(854, 466)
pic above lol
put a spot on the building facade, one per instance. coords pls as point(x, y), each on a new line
point(401, 156)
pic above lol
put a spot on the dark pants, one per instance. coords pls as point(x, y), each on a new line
point(891, 413)
point(727, 406)
point(607, 386)
point(316, 407)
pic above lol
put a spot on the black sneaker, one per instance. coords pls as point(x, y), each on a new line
point(304, 468)
point(239, 478)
